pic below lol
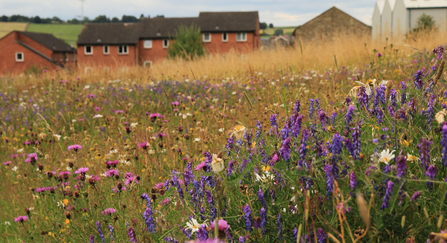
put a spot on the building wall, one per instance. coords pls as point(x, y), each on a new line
point(111, 60)
point(400, 19)
point(36, 46)
point(439, 16)
point(8, 64)
point(387, 20)
point(376, 23)
point(218, 46)
point(156, 53)
point(330, 24)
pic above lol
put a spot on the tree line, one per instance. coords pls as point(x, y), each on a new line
point(57, 20)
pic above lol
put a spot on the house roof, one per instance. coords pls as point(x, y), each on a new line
point(163, 27)
point(425, 4)
point(391, 3)
point(228, 21)
point(380, 5)
point(109, 33)
point(49, 41)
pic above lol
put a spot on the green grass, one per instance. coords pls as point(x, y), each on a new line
point(5, 28)
point(286, 30)
point(67, 32)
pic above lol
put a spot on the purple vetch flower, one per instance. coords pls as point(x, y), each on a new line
point(111, 229)
point(230, 144)
point(132, 235)
point(150, 223)
point(75, 147)
point(388, 192)
point(333, 117)
point(425, 152)
point(248, 217)
point(311, 109)
point(296, 128)
point(81, 170)
point(297, 106)
point(170, 239)
point(303, 148)
point(213, 210)
point(230, 167)
point(417, 78)
point(357, 146)
point(263, 216)
point(274, 124)
point(393, 97)
point(415, 196)
point(295, 234)
point(363, 97)
point(429, 113)
point(401, 166)
point(177, 184)
point(352, 180)
point(202, 233)
point(391, 110)
point(109, 211)
point(348, 116)
point(242, 239)
point(258, 130)
point(321, 235)
point(444, 144)
point(349, 146)
point(279, 228)
point(98, 225)
point(329, 179)
point(431, 173)
point(92, 239)
point(323, 118)
point(403, 95)
point(262, 198)
point(285, 149)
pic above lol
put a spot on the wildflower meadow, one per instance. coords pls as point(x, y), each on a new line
point(345, 154)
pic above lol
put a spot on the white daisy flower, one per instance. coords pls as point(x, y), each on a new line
point(193, 225)
point(386, 156)
point(15, 168)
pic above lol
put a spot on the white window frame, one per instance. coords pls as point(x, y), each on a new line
point(123, 53)
point(149, 46)
point(61, 56)
point(88, 69)
point(225, 33)
point(203, 37)
point(244, 34)
point(91, 50)
point(104, 49)
point(20, 60)
point(167, 41)
point(67, 57)
point(147, 62)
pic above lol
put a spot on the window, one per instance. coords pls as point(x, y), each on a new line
point(74, 57)
point(147, 44)
point(67, 57)
point(241, 36)
point(106, 49)
point(224, 37)
point(123, 50)
point(165, 43)
point(19, 56)
point(61, 55)
point(147, 63)
point(206, 37)
point(88, 50)
point(88, 70)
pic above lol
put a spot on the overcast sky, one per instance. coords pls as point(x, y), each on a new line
point(278, 12)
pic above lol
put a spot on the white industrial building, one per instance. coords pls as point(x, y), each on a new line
point(392, 18)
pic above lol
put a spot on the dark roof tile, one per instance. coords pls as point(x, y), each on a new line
point(109, 33)
point(164, 27)
point(49, 41)
point(228, 21)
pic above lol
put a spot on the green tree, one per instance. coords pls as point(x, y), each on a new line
point(73, 21)
point(279, 32)
point(129, 19)
point(115, 20)
point(101, 19)
point(188, 44)
point(270, 25)
point(37, 20)
point(263, 25)
point(425, 22)
point(4, 18)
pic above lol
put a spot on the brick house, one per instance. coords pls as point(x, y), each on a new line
point(148, 41)
point(330, 24)
point(20, 51)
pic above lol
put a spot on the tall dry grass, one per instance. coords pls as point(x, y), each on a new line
point(319, 54)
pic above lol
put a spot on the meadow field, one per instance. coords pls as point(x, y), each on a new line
point(67, 32)
point(330, 141)
point(5, 28)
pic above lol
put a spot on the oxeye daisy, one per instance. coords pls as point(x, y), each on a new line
point(386, 156)
point(193, 225)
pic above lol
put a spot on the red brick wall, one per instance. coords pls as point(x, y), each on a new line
point(156, 53)
point(218, 46)
point(113, 59)
point(8, 64)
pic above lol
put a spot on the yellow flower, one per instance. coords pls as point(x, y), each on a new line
point(143, 170)
point(265, 168)
point(405, 143)
point(46, 218)
point(65, 201)
point(67, 221)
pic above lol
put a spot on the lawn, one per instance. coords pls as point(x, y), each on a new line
point(5, 28)
point(286, 30)
point(67, 32)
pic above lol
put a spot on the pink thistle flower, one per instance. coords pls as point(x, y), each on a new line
point(109, 211)
point(75, 147)
point(112, 172)
point(21, 219)
point(82, 170)
point(7, 163)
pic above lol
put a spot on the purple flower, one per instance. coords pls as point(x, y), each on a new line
point(21, 219)
point(274, 123)
point(357, 145)
point(425, 152)
point(403, 96)
point(279, 228)
point(230, 144)
point(444, 144)
point(323, 118)
point(352, 180)
point(202, 234)
point(329, 179)
point(32, 158)
point(248, 217)
point(150, 223)
point(303, 148)
point(334, 115)
point(92, 239)
point(258, 130)
point(388, 192)
point(311, 109)
point(348, 116)
point(213, 210)
point(262, 198)
point(7, 163)
point(112, 164)
point(296, 128)
point(401, 166)
point(98, 225)
point(81, 170)
point(418, 79)
point(263, 216)
point(221, 224)
point(431, 173)
point(112, 172)
point(177, 184)
point(111, 229)
point(109, 211)
point(143, 145)
point(285, 149)
point(415, 196)
point(321, 235)
point(132, 236)
point(75, 147)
